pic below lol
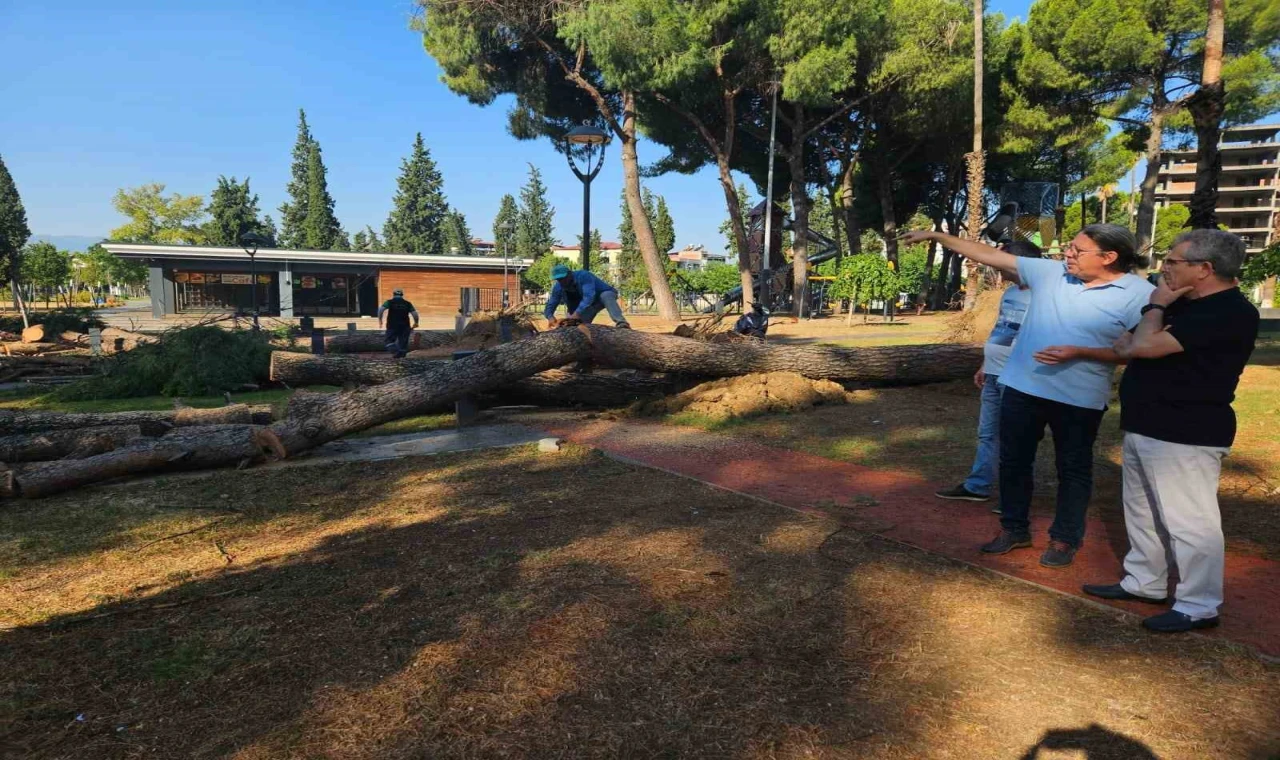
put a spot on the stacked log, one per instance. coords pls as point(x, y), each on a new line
point(59, 444)
point(151, 423)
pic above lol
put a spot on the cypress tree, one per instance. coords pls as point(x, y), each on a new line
point(420, 213)
point(320, 230)
point(504, 243)
point(457, 235)
point(534, 236)
point(664, 227)
point(233, 211)
point(14, 231)
point(293, 213)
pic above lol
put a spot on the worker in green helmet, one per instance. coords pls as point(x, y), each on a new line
point(584, 295)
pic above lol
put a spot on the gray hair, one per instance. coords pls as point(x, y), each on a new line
point(1120, 241)
point(1221, 249)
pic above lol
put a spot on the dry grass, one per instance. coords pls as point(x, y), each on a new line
point(511, 605)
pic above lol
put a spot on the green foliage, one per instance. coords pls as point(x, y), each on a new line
point(367, 240)
point(55, 321)
point(14, 232)
point(191, 361)
point(46, 267)
point(866, 277)
point(505, 226)
point(233, 211)
point(1171, 222)
point(534, 236)
point(911, 268)
point(156, 218)
point(457, 235)
point(293, 212)
point(715, 278)
point(664, 227)
point(417, 221)
point(538, 276)
point(1261, 266)
point(1117, 213)
point(320, 229)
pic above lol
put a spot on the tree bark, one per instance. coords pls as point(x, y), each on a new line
point(151, 423)
point(800, 211)
point(56, 444)
point(654, 260)
point(852, 230)
point(550, 388)
point(365, 342)
point(926, 284)
point(1207, 107)
point(312, 419)
point(976, 158)
point(189, 449)
point(1147, 205)
point(884, 189)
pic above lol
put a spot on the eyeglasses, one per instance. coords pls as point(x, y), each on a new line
point(1184, 261)
point(1072, 248)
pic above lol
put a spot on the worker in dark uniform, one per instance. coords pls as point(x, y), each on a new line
point(754, 323)
point(397, 312)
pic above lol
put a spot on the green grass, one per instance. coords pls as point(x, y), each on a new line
point(422, 424)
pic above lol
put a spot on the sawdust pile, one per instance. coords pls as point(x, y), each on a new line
point(974, 326)
point(749, 396)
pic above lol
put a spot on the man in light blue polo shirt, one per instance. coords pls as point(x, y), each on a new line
point(1059, 373)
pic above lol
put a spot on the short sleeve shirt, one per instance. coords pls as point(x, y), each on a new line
point(1063, 312)
point(1013, 309)
point(1186, 397)
point(398, 311)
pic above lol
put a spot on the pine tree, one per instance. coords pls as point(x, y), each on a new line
point(504, 242)
point(14, 231)
point(366, 240)
point(457, 235)
point(233, 211)
point(534, 236)
point(417, 221)
point(293, 213)
point(664, 227)
point(320, 230)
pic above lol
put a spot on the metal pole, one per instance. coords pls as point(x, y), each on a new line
point(253, 275)
point(768, 206)
point(586, 223)
point(506, 254)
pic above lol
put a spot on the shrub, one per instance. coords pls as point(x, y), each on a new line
point(191, 361)
point(55, 321)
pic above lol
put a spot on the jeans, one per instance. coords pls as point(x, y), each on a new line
point(1074, 428)
point(983, 474)
point(606, 299)
point(398, 338)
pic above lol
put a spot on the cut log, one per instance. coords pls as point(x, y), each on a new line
point(550, 388)
point(315, 418)
point(890, 365)
point(29, 349)
point(152, 423)
point(189, 448)
point(57, 444)
point(364, 342)
point(34, 334)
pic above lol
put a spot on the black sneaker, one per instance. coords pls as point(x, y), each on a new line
point(1177, 622)
point(960, 493)
point(1116, 592)
point(623, 325)
point(1059, 554)
point(1006, 542)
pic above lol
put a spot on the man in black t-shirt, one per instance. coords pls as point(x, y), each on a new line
point(1185, 359)
point(397, 311)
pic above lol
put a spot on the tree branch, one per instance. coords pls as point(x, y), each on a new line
point(576, 77)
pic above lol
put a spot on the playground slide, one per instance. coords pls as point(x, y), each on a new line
point(827, 249)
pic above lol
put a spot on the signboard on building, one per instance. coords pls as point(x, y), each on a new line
point(237, 279)
point(180, 277)
point(196, 278)
point(340, 283)
point(308, 282)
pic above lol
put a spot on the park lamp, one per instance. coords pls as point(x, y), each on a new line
point(251, 242)
point(506, 228)
point(583, 140)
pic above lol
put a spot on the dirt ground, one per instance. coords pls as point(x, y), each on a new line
point(510, 604)
point(929, 430)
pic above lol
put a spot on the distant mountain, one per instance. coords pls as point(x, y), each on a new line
point(69, 242)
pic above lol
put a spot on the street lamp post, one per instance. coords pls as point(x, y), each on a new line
point(251, 242)
point(506, 228)
point(584, 140)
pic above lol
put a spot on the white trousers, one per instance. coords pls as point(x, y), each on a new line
point(1171, 506)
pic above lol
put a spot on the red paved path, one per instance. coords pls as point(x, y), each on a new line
point(906, 510)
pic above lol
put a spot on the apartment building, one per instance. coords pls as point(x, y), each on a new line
point(1248, 199)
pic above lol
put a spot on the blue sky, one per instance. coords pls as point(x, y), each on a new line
point(99, 96)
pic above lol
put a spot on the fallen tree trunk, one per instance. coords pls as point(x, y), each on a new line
point(315, 418)
point(889, 365)
point(550, 388)
point(186, 449)
point(34, 334)
point(151, 423)
point(57, 444)
point(29, 349)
